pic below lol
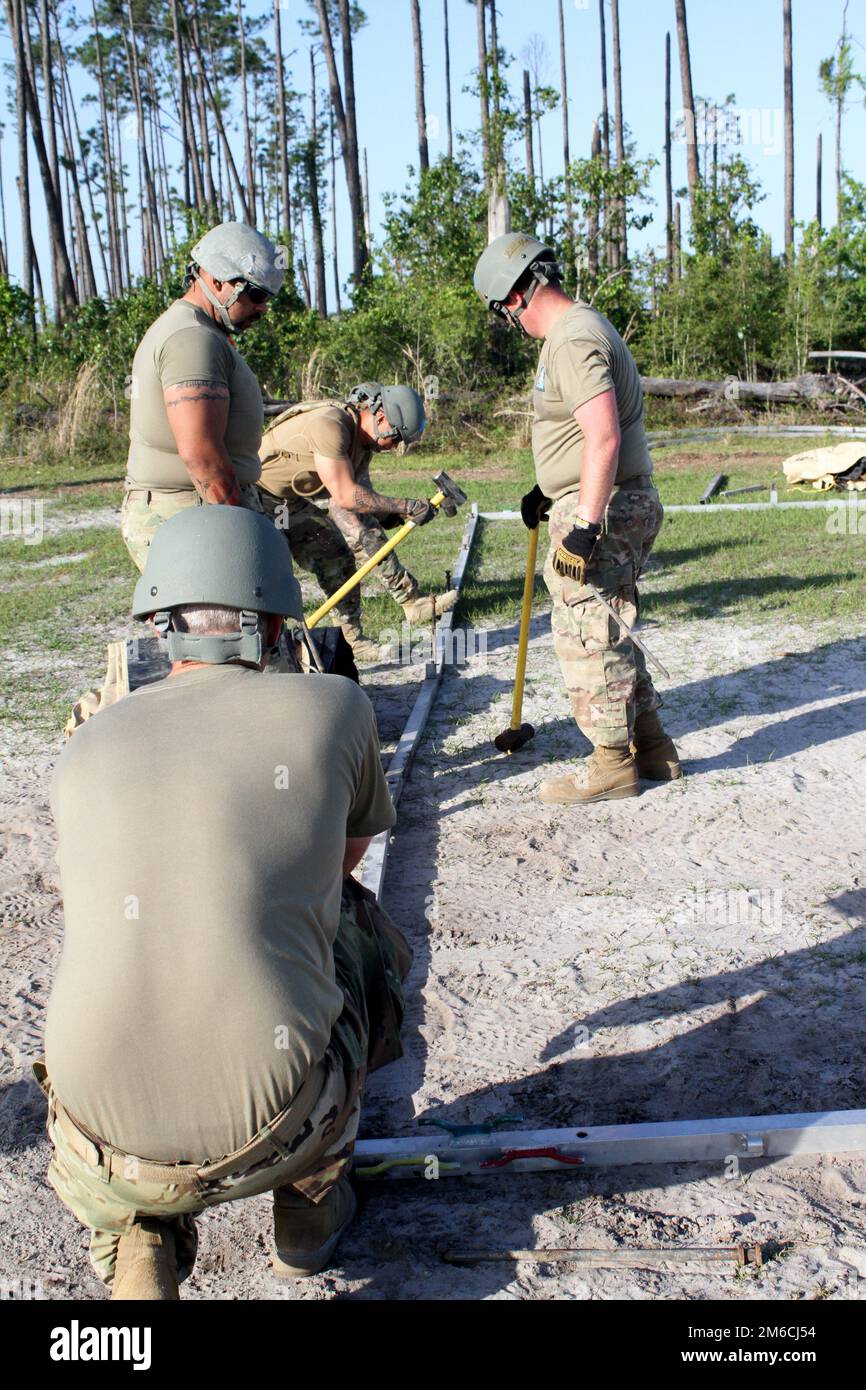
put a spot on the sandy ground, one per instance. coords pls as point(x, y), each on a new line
point(697, 952)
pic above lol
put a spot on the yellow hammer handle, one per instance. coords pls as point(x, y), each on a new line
point(525, 618)
point(368, 565)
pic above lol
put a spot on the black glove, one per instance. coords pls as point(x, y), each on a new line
point(534, 507)
point(419, 510)
point(573, 553)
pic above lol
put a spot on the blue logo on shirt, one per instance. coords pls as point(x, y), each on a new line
point(539, 380)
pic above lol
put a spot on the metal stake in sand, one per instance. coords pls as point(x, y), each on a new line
point(517, 734)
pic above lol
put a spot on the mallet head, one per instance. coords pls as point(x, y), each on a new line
point(510, 740)
point(453, 494)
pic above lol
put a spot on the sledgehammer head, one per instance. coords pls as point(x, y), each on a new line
point(454, 495)
point(511, 739)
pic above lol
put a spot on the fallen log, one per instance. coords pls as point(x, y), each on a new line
point(812, 386)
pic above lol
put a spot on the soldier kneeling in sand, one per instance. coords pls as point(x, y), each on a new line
point(225, 985)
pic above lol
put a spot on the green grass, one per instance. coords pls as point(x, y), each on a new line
point(781, 567)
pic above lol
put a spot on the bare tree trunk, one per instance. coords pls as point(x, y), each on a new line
point(151, 216)
point(483, 88)
point(181, 101)
point(605, 118)
point(346, 128)
point(303, 272)
point(688, 103)
point(669, 200)
point(117, 160)
point(527, 129)
point(818, 173)
point(420, 112)
point(334, 217)
point(226, 147)
point(249, 171)
point(315, 209)
point(621, 211)
point(18, 27)
point(678, 242)
point(204, 133)
point(115, 280)
point(568, 266)
point(282, 131)
point(51, 143)
point(366, 196)
point(67, 111)
point(498, 207)
point(448, 83)
point(789, 130)
point(13, 19)
point(594, 210)
point(4, 239)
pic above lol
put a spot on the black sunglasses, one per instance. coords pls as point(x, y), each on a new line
point(256, 293)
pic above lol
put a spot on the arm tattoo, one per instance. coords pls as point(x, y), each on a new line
point(215, 394)
point(366, 500)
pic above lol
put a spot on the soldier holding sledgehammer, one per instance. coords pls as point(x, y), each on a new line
point(324, 448)
point(594, 481)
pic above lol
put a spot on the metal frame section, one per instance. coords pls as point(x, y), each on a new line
point(478, 1151)
point(376, 858)
point(845, 499)
point(664, 437)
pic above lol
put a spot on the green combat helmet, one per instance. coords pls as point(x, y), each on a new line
point(504, 262)
point(234, 251)
point(403, 407)
point(217, 555)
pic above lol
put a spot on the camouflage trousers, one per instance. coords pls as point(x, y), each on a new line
point(605, 674)
point(318, 547)
point(145, 509)
point(108, 1190)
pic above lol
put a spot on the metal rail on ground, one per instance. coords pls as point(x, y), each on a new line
point(375, 860)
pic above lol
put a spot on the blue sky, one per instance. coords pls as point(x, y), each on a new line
point(736, 47)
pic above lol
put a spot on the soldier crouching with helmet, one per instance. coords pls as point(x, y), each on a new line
point(225, 985)
point(325, 447)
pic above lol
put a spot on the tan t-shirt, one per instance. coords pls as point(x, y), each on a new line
point(583, 357)
point(201, 826)
point(185, 345)
point(288, 447)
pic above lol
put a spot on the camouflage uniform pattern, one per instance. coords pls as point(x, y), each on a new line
point(605, 674)
point(318, 547)
point(364, 535)
point(144, 510)
point(371, 960)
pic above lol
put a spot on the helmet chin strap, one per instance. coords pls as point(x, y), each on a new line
point(221, 308)
point(513, 316)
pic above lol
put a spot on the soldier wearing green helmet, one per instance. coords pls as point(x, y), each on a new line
point(594, 482)
point(225, 984)
point(323, 449)
point(195, 406)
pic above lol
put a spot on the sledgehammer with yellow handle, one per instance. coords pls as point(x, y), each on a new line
point(448, 497)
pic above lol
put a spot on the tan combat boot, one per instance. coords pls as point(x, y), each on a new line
point(146, 1263)
point(306, 1235)
point(420, 609)
point(607, 775)
point(363, 648)
point(656, 757)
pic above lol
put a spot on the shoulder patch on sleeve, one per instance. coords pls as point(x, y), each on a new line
point(540, 379)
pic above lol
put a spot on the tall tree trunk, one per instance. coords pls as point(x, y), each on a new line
point(181, 100)
point(221, 131)
point(678, 242)
point(818, 173)
point(789, 131)
point(315, 209)
point(669, 199)
point(66, 111)
point(420, 111)
point(605, 118)
point(4, 239)
point(498, 209)
point(115, 279)
point(204, 133)
point(51, 142)
point(249, 171)
point(366, 196)
point(334, 215)
point(152, 214)
point(18, 28)
point(527, 129)
point(621, 211)
point(592, 227)
point(346, 128)
point(566, 153)
point(351, 122)
point(117, 161)
point(13, 18)
point(688, 103)
point(282, 131)
point(448, 83)
point(483, 88)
